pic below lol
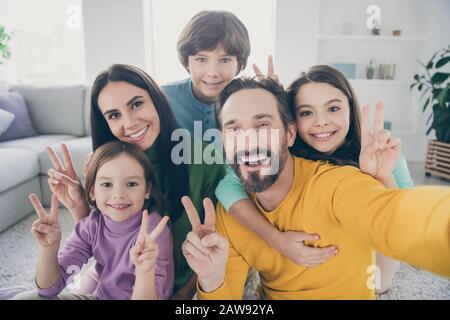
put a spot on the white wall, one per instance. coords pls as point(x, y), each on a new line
point(296, 29)
point(114, 33)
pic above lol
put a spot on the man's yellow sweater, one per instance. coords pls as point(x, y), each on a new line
point(348, 209)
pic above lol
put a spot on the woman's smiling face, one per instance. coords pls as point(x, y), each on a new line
point(130, 113)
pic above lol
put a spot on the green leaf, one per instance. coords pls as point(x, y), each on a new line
point(416, 77)
point(442, 62)
point(429, 118)
point(412, 86)
point(420, 87)
point(442, 96)
point(429, 129)
point(424, 92)
point(426, 104)
point(439, 77)
point(430, 65)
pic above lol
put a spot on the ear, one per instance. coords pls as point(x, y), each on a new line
point(291, 134)
point(92, 194)
point(149, 190)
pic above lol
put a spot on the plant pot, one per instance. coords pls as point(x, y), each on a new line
point(438, 159)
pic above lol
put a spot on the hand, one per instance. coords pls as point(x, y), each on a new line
point(270, 70)
point(145, 252)
point(63, 180)
point(205, 250)
point(46, 229)
point(379, 151)
point(292, 246)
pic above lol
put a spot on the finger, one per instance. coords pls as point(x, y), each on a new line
point(383, 137)
point(270, 68)
point(147, 256)
point(303, 236)
point(55, 159)
point(365, 128)
point(68, 181)
point(191, 212)
point(195, 240)
point(317, 259)
point(142, 235)
point(38, 207)
point(394, 143)
point(189, 249)
point(210, 214)
point(52, 180)
point(158, 229)
point(44, 228)
point(313, 253)
point(53, 217)
point(379, 117)
point(257, 71)
point(67, 158)
point(215, 240)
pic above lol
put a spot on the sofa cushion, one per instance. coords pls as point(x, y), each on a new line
point(38, 143)
point(17, 166)
point(55, 110)
point(6, 118)
point(78, 148)
point(87, 112)
point(21, 126)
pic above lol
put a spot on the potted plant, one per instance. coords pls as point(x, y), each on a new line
point(434, 85)
point(5, 54)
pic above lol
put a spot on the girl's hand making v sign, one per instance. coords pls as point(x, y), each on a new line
point(46, 229)
point(379, 151)
point(145, 252)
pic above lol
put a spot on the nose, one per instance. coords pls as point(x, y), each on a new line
point(118, 193)
point(130, 121)
point(321, 120)
point(212, 70)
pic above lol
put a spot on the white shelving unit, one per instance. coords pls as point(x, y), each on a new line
point(361, 46)
point(340, 37)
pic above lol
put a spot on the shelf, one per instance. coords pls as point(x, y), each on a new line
point(381, 81)
point(369, 38)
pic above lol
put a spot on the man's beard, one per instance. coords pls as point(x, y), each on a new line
point(256, 183)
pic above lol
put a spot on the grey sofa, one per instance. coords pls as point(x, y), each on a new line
point(59, 114)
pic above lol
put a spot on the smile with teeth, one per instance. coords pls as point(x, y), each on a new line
point(212, 83)
point(119, 206)
point(138, 135)
point(323, 136)
point(254, 160)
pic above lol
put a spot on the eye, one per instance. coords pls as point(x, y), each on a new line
point(132, 184)
point(200, 59)
point(232, 130)
point(137, 104)
point(263, 125)
point(304, 113)
point(113, 115)
point(334, 109)
point(225, 60)
point(106, 184)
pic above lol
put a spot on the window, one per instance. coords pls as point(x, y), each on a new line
point(47, 43)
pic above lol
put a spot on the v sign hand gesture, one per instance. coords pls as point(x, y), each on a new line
point(205, 250)
point(145, 252)
point(64, 182)
point(270, 70)
point(46, 229)
point(379, 151)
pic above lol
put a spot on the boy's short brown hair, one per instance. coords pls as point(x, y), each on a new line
point(207, 29)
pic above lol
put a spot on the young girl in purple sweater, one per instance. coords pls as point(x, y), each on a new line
point(132, 249)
